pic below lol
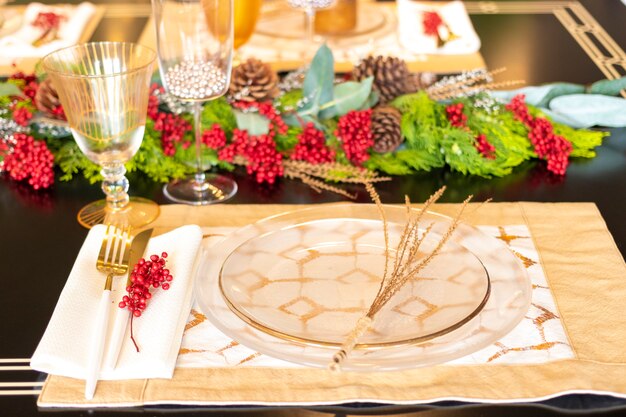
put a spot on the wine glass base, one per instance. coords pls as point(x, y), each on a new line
point(138, 213)
point(216, 189)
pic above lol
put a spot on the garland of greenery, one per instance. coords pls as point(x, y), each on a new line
point(430, 139)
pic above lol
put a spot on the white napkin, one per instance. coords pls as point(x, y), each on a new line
point(411, 31)
point(64, 348)
point(20, 43)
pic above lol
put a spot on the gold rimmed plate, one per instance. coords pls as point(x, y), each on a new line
point(310, 282)
point(508, 285)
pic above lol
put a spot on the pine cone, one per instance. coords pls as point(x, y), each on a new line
point(386, 128)
point(391, 76)
point(253, 80)
point(47, 100)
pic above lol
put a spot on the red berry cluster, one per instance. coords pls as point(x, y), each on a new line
point(455, 115)
point(311, 147)
point(484, 147)
point(214, 138)
point(431, 21)
point(22, 116)
point(260, 153)
point(553, 148)
point(171, 126)
point(354, 131)
point(28, 159)
point(263, 160)
point(145, 274)
point(48, 21)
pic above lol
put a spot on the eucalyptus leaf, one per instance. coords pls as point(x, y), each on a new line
point(608, 87)
point(591, 109)
point(300, 119)
point(542, 95)
point(9, 89)
point(347, 96)
point(371, 101)
point(254, 123)
point(318, 81)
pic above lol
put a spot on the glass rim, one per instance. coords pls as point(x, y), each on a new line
point(48, 69)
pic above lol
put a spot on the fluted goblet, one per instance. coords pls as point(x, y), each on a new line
point(195, 48)
point(104, 89)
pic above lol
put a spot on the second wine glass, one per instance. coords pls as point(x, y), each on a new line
point(195, 47)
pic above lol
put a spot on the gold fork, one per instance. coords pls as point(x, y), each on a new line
point(112, 260)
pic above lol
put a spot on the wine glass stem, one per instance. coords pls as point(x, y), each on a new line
point(197, 113)
point(115, 185)
point(310, 24)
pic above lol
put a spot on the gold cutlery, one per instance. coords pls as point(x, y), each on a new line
point(112, 260)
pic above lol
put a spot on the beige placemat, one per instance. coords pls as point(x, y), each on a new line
point(583, 266)
point(27, 65)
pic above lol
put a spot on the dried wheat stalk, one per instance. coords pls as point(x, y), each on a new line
point(467, 83)
point(316, 175)
point(406, 266)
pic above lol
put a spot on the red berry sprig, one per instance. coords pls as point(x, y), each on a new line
point(455, 115)
point(22, 116)
point(458, 119)
point(354, 131)
point(553, 148)
point(484, 147)
point(311, 147)
point(146, 274)
point(48, 21)
point(23, 158)
point(431, 21)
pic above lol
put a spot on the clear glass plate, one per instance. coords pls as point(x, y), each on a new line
point(311, 282)
point(508, 301)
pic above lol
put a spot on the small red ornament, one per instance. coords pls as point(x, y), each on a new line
point(354, 131)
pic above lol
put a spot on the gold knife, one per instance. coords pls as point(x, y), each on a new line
point(137, 249)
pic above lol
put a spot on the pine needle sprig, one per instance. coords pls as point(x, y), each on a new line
point(407, 264)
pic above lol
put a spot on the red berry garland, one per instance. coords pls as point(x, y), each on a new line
point(458, 119)
point(354, 131)
point(311, 147)
point(549, 146)
point(27, 158)
point(145, 274)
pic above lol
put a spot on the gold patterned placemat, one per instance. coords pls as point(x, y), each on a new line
point(27, 65)
point(583, 266)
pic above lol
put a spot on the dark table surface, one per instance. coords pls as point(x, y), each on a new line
point(39, 235)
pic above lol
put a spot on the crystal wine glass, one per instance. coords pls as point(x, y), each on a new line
point(310, 7)
point(195, 47)
point(104, 89)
